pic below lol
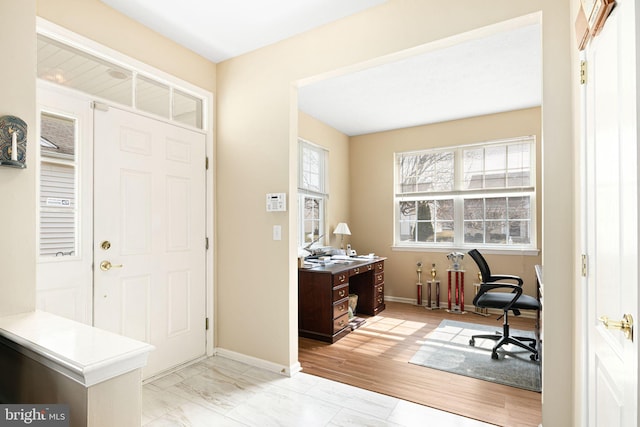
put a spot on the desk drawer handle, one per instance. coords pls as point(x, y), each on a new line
point(356, 270)
point(342, 293)
point(380, 267)
point(341, 323)
point(369, 267)
point(341, 308)
point(380, 288)
point(380, 300)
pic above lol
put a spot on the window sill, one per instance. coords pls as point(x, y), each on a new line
point(488, 250)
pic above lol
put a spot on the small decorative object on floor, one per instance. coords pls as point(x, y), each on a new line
point(419, 284)
point(356, 322)
point(458, 278)
point(435, 303)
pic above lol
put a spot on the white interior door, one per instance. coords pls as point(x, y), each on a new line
point(612, 219)
point(149, 234)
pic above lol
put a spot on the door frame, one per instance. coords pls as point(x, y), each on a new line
point(79, 42)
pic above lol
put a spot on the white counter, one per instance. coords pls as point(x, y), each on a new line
point(80, 352)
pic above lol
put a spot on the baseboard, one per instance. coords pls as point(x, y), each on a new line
point(287, 371)
point(528, 314)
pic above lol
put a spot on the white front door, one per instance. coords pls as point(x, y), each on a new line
point(612, 219)
point(149, 234)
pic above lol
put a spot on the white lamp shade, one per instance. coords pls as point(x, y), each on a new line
point(342, 228)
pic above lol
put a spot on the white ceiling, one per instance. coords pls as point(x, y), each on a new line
point(498, 71)
point(491, 74)
point(222, 29)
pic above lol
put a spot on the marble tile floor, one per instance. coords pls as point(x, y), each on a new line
point(223, 392)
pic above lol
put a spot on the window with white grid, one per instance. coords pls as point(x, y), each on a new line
point(480, 195)
point(312, 192)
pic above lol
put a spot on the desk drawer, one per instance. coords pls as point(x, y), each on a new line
point(340, 323)
point(379, 266)
point(379, 290)
point(341, 308)
point(378, 278)
point(357, 270)
point(340, 292)
point(340, 278)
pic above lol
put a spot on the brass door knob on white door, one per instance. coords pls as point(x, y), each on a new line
point(625, 325)
point(106, 265)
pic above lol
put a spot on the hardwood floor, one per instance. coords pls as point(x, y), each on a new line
point(375, 357)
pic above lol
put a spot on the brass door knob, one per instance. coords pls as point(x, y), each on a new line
point(625, 325)
point(106, 265)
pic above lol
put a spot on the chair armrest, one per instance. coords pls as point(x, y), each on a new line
point(486, 287)
point(507, 277)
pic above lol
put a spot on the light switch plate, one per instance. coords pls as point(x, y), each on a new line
point(277, 232)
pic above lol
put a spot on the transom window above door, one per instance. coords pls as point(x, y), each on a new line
point(73, 68)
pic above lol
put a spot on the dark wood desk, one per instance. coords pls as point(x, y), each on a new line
point(323, 296)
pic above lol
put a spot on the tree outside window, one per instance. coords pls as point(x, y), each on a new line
point(472, 195)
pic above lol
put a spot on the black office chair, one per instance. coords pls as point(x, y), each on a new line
point(506, 301)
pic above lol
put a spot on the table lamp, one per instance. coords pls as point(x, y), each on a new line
point(342, 228)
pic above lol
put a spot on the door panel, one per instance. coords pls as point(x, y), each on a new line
point(612, 215)
point(150, 205)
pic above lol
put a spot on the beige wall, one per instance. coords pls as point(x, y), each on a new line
point(257, 130)
point(17, 207)
point(337, 144)
point(96, 21)
point(372, 208)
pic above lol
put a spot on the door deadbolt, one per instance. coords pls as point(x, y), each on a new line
point(106, 265)
point(625, 325)
point(105, 245)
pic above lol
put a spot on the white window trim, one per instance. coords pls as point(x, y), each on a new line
point(324, 195)
point(458, 243)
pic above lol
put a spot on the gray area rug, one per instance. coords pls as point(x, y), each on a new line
point(447, 349)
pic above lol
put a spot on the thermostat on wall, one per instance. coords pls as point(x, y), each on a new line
point(276, 202)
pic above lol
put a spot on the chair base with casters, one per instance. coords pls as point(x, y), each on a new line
point(514, 301)
point(505, 338)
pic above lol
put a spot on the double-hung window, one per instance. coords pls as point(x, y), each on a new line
point(480, 195)
point(312, 192)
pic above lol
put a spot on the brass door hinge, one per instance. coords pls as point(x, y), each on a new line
point(206, 163)
point(206, 323)
point(206, 243)
point(583, 72)
point(584, 265)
